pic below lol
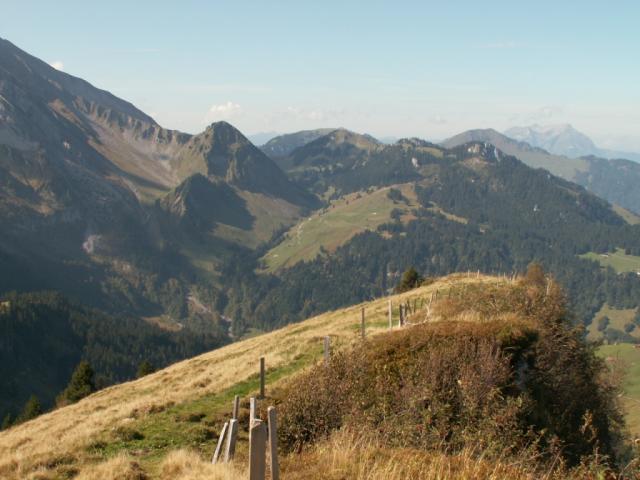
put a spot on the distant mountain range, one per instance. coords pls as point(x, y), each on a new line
point(283, 145)
point(101, 203)
point(614, 180)
point(564, 140)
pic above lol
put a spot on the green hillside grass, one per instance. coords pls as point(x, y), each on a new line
point(335, 225)
point(346, 217)
point(628, 216)
point(618, 318)
point(618, 260)
point(625, 358)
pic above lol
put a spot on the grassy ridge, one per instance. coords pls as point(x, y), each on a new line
point(150, 417)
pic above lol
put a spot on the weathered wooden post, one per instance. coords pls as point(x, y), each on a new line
point(261, 377)
point(252, 410)
point(232, 436)
point(257, 450)
point(273, 444)
point(390, 316)
point(218, 450)
point(327, 346)
point(478, 274)
point(362, 324)
point(236, 407)
point(401, 320)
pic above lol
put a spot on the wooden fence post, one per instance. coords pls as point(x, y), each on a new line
point(273, 444)
point(236, 407)
point(257, 450)
point(327, 346)
point(216, 453)
point(261, 377)
point(252, 410)
point(401, 321)
point(362, 324)
point(390, 316)
point(232, 436)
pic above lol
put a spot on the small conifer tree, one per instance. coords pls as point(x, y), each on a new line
point(145, 368)
point(81, 384)
point(7, 421)
point(410, 279)
point(31, 409)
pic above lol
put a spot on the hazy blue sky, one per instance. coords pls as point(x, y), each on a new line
point(422, 68)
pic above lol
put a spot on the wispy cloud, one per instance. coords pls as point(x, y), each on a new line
point(223, 111)
point(58, 65)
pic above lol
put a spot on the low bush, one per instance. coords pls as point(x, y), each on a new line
point(518, 378)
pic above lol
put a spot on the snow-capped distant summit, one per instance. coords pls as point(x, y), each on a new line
point(564, 140)
point(559, 139)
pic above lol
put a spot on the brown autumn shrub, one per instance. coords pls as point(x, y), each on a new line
point(517, 379)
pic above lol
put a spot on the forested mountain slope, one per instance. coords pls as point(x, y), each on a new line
point(613, 180)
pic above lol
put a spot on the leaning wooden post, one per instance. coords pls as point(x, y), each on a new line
point(261, 377)
point(362, 324)
point(257, 450)
point(273, 443)
point(232, 436)
point(236, 407)
point(218, 450)
point(252, 410)
point(401, 310)
point(390, 316)
point(327, 346)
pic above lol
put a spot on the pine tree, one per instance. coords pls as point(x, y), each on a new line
point(31, 409)
point(81, 385)
point(7, 421)
point(410, 279)
point(145, 368)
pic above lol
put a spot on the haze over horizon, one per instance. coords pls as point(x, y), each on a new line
point(412, 69)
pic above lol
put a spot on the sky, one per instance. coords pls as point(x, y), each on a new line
point(390, 69)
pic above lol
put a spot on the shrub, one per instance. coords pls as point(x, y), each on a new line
point(518, 377)
point(603, 323)
point(410, 280)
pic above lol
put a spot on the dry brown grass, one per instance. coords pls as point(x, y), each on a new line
point(187, 465)
point(59, 439)
point(347, 455)
point(120, 467)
